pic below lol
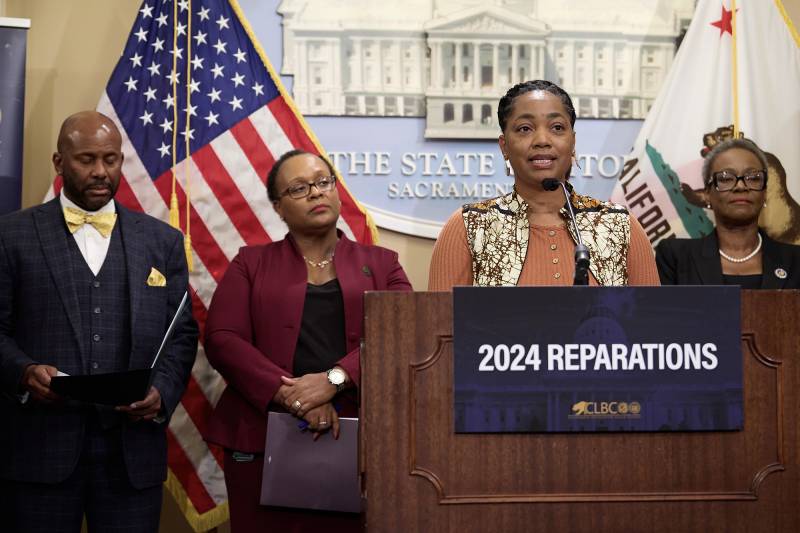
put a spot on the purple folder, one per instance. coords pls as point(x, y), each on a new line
point(300, 472)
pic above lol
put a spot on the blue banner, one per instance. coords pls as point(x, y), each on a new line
point(12, 108)
point(567, 359)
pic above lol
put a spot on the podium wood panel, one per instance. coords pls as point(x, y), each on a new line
point(418, 475)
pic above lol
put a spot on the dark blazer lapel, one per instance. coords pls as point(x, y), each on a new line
point(705, 256)
point(772, 259)
point(53, 236)
point(135, 254)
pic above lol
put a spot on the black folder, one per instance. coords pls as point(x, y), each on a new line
point(115, 388)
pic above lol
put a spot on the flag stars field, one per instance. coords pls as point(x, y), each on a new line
point(147, 118)
point(136, 59)
point(131, 84)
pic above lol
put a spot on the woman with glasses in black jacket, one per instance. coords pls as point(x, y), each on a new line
point(738, 252)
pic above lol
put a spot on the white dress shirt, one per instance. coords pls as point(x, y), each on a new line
point(93, 246)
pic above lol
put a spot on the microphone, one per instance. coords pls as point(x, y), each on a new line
point(581, 251)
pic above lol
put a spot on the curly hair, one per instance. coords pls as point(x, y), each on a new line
point(272, 177)
point(507, 101)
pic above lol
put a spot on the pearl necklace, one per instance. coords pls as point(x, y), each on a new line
point(748, 257)
point(319, 264)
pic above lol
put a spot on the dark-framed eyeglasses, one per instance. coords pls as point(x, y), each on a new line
point(725, 180)
point(301, 189)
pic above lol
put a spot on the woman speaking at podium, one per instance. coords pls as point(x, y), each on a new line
point(737, 252)
point(284, 329)
point(528, 237)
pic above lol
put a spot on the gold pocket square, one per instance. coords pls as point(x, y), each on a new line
point(156, 279)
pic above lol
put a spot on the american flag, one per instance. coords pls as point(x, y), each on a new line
point(240, 120)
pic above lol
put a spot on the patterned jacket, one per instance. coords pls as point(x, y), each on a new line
point(498, 229)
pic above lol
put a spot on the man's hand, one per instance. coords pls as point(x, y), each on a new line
point(307, 392)
point(36, 381)
point(146, 409)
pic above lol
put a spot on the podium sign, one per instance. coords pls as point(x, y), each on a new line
point(572, 359)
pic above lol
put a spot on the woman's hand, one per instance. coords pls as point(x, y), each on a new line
point(306, 392)
point(321, 419)
point(280, 396)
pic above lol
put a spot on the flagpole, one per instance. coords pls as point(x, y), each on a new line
point(735, 72)
point(187, 235)
point(174, 216)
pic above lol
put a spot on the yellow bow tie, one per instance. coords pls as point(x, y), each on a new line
point(102, 222)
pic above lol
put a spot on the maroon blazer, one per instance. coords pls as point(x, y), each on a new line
point(254, 321)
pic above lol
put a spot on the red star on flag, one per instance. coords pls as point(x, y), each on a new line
point(724, 23)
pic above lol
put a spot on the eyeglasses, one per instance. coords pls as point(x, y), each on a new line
point(754, 180)
point(300, 190)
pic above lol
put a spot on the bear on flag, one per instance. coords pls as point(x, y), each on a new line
point(737, 71)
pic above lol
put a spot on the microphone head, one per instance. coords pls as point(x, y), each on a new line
point(550, 184)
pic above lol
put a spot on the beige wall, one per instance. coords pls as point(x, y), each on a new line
point(73, 46)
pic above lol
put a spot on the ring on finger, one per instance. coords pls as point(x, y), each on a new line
point(297, 405)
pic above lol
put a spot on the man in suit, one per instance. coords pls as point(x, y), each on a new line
point(87, 287)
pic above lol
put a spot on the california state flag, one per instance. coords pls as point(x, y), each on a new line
point(750, 64)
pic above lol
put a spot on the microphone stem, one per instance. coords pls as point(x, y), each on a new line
point(571, 212)
point(581, 251)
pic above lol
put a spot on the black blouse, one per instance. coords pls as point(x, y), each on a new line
point(321, 342)
point(751, 281)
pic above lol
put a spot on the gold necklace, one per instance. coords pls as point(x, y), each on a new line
point(319, 264)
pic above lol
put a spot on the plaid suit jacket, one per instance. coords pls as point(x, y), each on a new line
point(40, 323)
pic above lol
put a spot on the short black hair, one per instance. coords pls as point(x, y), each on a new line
point(507, 101)
point(272, 177)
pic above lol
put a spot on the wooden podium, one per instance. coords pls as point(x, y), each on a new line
point(418, 475)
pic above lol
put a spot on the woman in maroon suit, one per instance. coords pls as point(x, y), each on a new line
point(284, 329)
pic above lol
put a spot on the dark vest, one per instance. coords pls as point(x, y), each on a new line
point(104, 306)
